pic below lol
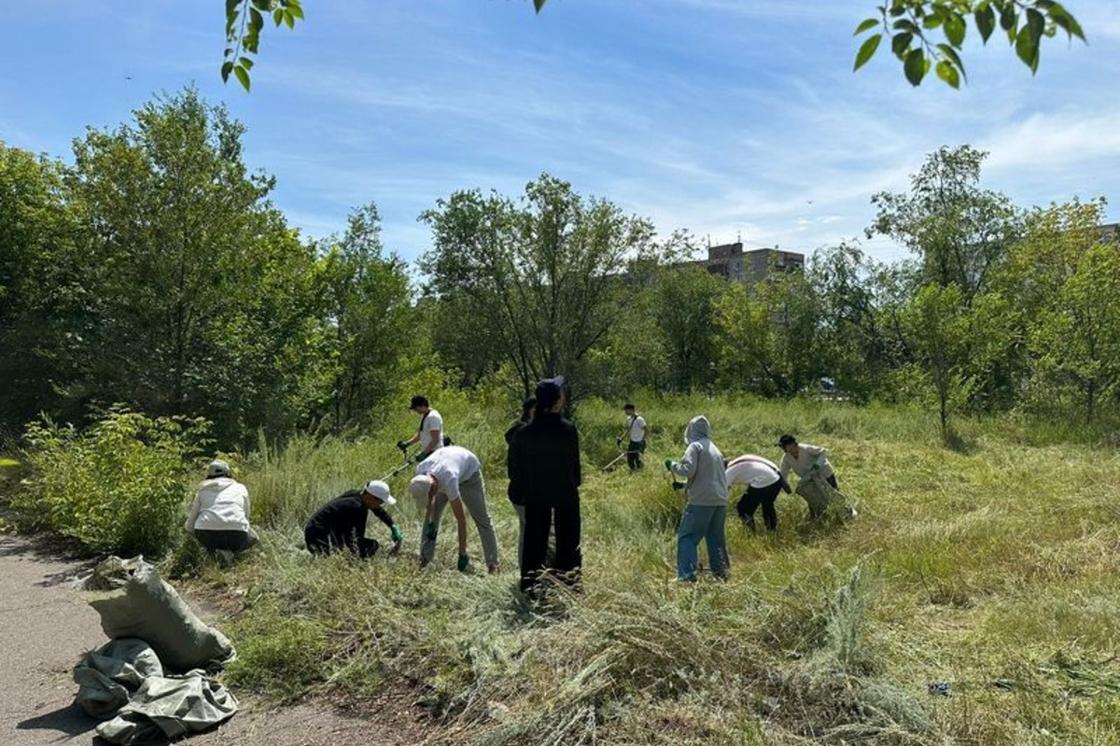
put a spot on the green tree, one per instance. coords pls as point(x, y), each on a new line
point(768, 336)
point(199, 295)
point(542, 273)
point(370, 314)
point(959, 231)
point(937, 325)
point(685, 299)
point(41, 297)
point(1077, 341)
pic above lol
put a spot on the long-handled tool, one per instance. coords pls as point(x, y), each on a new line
point(614, 461)
point(396, 471)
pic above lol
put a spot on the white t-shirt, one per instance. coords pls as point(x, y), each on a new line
point(221, 504)
point(637, 427)
point(753, 471)
point(433, 421)
point(451, 466)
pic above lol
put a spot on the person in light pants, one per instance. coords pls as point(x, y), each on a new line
point(453, 475)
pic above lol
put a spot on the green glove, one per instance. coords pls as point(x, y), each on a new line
point(430, 530)
point(679, 485)
point(464, 562)
point(421, 456)
point(668, 464)
point(395, 531)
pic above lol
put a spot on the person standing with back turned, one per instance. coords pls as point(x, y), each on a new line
point(706, 513)
point(544, 469)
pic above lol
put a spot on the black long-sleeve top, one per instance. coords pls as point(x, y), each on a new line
point(544, 466)
point(343, 520)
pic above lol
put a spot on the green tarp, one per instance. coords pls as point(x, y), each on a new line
point(122, 683)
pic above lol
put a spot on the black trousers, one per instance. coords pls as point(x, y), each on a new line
point(233, 541)
point(634, 452)
point(764, 496)
point(323, 544)
point(539, 521)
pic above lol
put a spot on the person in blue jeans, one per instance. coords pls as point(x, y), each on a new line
point(705, 514)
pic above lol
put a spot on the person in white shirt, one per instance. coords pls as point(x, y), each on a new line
point(219, 515)
point(453, 475)
point(763, 482)
point(635, 435)
point(806, 461)
point(430, 433)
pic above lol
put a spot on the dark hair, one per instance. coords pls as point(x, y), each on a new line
point(418, 401)
point(787, 440)
point(527, 408)
point(629, 405)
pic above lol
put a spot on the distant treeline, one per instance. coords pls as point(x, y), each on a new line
point(154, 271)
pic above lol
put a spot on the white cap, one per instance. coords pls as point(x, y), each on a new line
point(380, 490)
point(217, 468)
point(420, 486)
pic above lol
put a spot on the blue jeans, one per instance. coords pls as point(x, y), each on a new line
point(702, 522)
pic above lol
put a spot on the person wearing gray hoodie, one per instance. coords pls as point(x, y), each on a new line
point(706, 512)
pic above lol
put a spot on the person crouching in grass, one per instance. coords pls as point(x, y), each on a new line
point(341, 523)
point(219, 514)
point(706, 512)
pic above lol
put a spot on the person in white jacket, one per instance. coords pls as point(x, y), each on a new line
point(706, 513)
point(219, 515)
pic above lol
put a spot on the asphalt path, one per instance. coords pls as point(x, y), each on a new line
point(45, 626)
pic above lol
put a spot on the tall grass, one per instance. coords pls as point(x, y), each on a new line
point(992, 568)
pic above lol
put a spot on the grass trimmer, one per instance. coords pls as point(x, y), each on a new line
point(614, 461)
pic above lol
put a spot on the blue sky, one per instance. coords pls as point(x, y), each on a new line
point(724, 117)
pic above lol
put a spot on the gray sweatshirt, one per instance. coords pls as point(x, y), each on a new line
point(702, 465)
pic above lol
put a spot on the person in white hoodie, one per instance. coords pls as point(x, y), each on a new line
point(219, 515)
point(706, 512)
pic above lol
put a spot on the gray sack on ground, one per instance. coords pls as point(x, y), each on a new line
point(818, 495)
point(123, 683)
point(133, 601)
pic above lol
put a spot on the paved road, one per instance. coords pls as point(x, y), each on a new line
point(45, 626)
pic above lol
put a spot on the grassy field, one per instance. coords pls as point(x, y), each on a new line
point(992, 568)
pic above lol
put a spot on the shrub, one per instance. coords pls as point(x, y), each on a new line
point(118, 486)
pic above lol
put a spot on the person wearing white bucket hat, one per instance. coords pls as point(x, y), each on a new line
point(219, 514)
point(341, 523)
point(453, 475)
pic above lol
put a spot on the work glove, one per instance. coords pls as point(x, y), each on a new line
point(402, 445)
point(668, 464)
point(464, 562)
point(679, 485)
point(421, 456)
point(395, 531)
point(430, 530)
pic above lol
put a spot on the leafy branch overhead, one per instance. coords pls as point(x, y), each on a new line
point(244, 22)
point(923, 34)
point(915, 27)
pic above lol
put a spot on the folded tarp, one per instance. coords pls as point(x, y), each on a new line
point(133, 601)
point(123, 683)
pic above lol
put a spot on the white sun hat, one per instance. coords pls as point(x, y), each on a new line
point(419, 487)
point(380, 490)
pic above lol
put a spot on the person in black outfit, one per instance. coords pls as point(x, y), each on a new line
point(544, 470)
point(341, 523)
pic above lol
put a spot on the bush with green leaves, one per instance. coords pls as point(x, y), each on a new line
point(118, 486)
